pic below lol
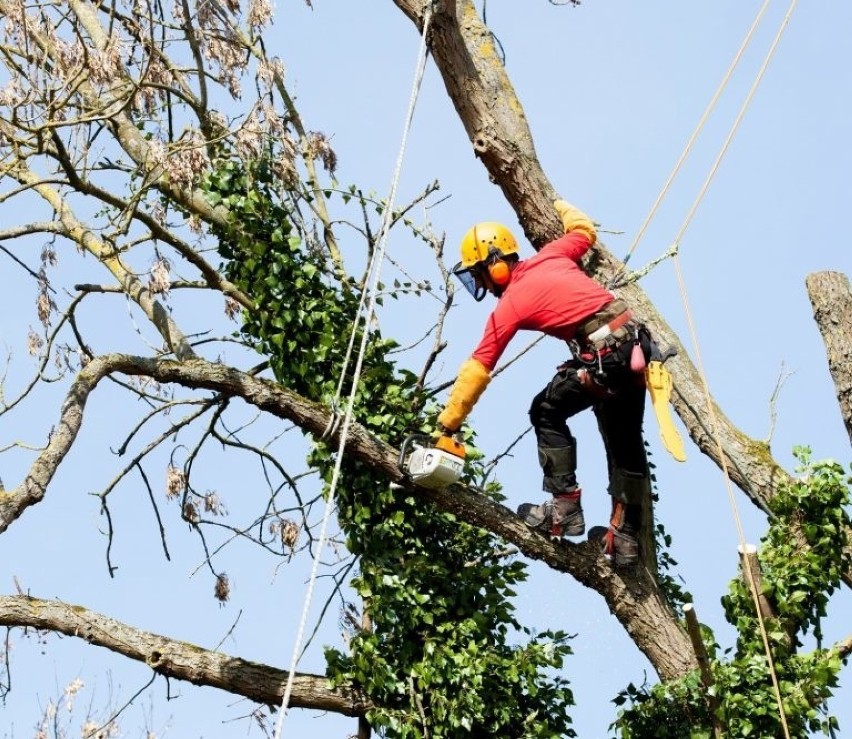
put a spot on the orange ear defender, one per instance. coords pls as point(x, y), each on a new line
point(499, 273)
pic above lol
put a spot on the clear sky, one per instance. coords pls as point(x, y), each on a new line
point(612, 91)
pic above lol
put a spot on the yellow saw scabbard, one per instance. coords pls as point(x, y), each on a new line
point(659, 383)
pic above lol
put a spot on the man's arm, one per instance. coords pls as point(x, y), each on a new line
point(574, 220)
point(572, 245)
point(475, 372)
point(580, 231)
point(470, 383)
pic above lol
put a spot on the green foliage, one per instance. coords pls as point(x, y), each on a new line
point(438, 660)
point(802, 559)
point(675, 709)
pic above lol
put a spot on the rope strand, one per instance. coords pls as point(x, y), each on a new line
point(374, 269)
point(688, 148)
point(736, 125)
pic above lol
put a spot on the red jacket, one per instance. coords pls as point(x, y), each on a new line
point(548, 292)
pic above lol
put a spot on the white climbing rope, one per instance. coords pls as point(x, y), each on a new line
point(370, 289)
point(711, 412)
point(689, 144)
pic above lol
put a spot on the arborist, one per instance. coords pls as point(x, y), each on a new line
point(549, 292)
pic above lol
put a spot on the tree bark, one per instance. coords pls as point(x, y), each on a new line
point(831, 298)
point(181, 660)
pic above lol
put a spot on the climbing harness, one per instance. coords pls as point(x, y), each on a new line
point(368, 298)
point(603, 333)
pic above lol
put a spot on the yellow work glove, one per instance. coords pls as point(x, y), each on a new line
point(469, 385)
point(573, 219)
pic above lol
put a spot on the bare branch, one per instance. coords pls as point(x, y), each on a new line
point(773, 402)
point(180, 660)
point(88, 240)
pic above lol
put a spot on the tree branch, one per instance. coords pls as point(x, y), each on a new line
point(76, 231)
point(636, 600)
point(180, 660)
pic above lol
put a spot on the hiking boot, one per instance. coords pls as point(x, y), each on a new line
point(620, 547)
point(558, 517)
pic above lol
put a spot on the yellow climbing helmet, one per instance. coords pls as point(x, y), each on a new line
point(482, 241)
point(481, 249)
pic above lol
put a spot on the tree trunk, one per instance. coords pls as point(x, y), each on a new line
point(831, 298)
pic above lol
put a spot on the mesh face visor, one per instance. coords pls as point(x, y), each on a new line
point(469, 277)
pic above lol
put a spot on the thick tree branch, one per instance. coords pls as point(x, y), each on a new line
point(635, 600)
point(180, 660)
point(831, 298)
point(464, 50)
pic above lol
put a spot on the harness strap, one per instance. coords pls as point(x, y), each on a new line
point(602, 316)
point(608, 328)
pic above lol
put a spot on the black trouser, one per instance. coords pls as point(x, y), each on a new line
point(619, 404)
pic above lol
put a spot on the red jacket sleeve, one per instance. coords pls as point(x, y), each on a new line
point(501, 326)
point(573, 245)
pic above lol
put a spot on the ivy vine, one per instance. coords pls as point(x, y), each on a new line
point(445, 656)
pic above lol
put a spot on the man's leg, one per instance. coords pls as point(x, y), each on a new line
point(620, 420)
point(557, 454)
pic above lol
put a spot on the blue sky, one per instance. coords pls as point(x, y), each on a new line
point(612, 91)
